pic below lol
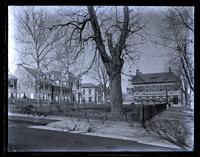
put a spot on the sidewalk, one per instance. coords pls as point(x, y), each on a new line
point(111, 129)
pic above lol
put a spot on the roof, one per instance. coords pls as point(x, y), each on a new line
point(12, 77)
point(57, 74)
point(31, 71)
point(165, 77)
point(88, 85)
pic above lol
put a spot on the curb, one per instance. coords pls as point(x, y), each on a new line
point(39, 121)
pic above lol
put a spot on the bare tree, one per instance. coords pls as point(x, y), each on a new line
point(110, 31)
point(66, 60)
point(178, 37)
point(99, 74)
point(36, 41)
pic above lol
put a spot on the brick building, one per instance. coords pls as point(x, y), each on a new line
point(155, 88)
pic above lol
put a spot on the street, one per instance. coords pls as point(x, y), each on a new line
point(22, 139)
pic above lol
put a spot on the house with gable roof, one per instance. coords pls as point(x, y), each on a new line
point(64, 85)
point(54, 85)
point(26, 85)
point(151, 88)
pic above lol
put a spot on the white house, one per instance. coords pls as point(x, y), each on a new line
point(155, 88)
point(54, 85)
point(91, 93)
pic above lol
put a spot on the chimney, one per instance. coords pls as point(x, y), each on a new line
point(170, 69)
point(19, 64)
point(137, 72)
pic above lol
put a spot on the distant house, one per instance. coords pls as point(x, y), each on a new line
point(64, 85)
point(26, 86)
point(89, 93)
point(155, 88)
point(12, 85)
point(92, 93)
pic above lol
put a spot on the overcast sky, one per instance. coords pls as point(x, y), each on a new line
point(153, 57)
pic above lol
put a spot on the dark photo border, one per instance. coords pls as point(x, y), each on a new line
point(4, 77)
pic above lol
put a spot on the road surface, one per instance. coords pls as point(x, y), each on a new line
point(21, 138)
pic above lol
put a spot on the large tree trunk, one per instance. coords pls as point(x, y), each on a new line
point(116, 94)
point(113, 63)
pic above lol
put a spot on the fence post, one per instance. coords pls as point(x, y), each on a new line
point(85, 110)
point(143, 120)
point(126, 115)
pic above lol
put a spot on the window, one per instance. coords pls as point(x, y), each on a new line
point(31, 84)
point(89, 91)
point(46, 86)
point(73, 97)
point(41, 86)
point(15, 84)
point(99, 98)
point(175, 87)
point(136, 99)
point(160, 87)
point(153, 88)
point(146, 88)
point(156, 88)
point(168, 87)
point(83, 91)
point(32, 96)
point(140, 88)
point(83, 99)
point(90, 99)
point(175, 99)
point(45, 96)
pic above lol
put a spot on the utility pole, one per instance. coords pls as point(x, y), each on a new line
point(61, 80)
point(167, 88)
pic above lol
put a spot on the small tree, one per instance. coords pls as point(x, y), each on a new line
point(35, 42)
point(178, 36)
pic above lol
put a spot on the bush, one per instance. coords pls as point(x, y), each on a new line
point(28, 109)
point(171, 130)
